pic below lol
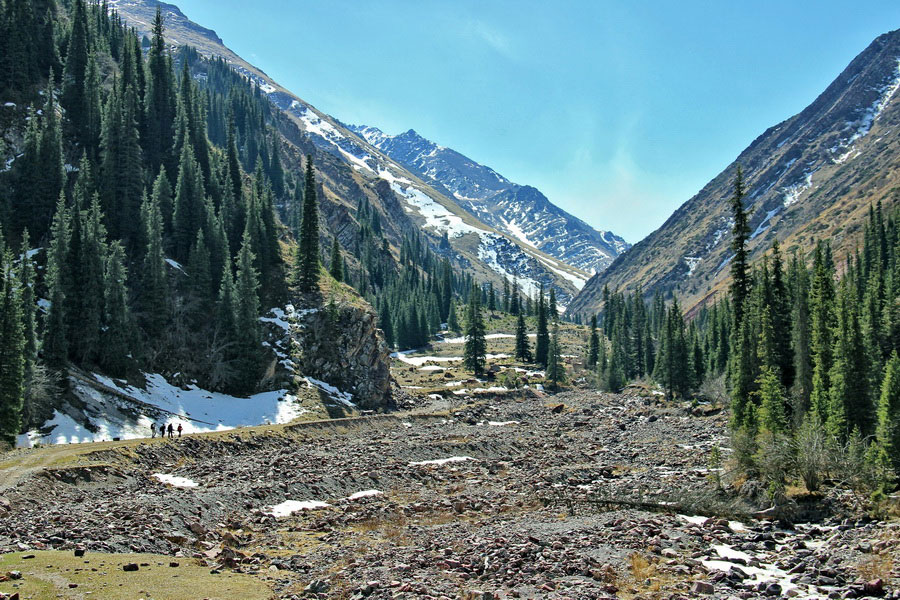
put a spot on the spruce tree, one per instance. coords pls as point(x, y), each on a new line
point(26, 285)
point(740, 270)
point(887, 433)
point(189, 211)
point(542, 342)
point(74, 73)
point(556, 368)
point(822, 313)
point(154, 293)
point(475, 348)
point(12, 352)
point(159, 102)
point(593, 344)
point(55, 347)
point(337, 266)
point(308, 247)
point(116, 336)
point(523, 348)
point(246, 326)
point(452, 318)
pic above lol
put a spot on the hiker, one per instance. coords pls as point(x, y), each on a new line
point(153, 430)
point(162, 430)
point(171, 431)
point(179, 430)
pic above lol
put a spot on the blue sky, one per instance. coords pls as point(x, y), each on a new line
point(617, 111)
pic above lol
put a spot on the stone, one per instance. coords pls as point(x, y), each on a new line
point(130, 567)
point(79, 552)
point(703, 587)
point(874, 587)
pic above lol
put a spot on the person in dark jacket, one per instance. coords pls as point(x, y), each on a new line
point(179, 430)
point(171, 431)
point(162, 430)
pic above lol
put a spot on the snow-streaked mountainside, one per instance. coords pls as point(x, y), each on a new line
point(811, 177)
point(518, 210)
point(490, 253)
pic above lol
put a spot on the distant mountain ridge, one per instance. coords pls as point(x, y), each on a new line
point(350, 169)
point(519, 210)
point(811, 177)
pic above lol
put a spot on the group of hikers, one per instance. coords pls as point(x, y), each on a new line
point(163, 429)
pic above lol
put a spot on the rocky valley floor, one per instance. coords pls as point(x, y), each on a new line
point(577, 495)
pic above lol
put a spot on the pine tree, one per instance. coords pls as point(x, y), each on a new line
point(74, 74)
point(337, 266)
point(247, 332)
point(159, 103)
point(552, 309)
point(452, 318)
point(593, 344)
point(475, 349)
point(12, 352)
point(55, 347)
point(740, 276)
point(523, 348)
point(822, 315)
point(189, 205)
point(26, 285)
point(887, 433)
point(153, 299)
point(308, 247)
point(556, 369)
point(384, 320)
point(542, 342)
point(116, 337)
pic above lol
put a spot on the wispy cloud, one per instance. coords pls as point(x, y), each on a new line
point(494, 38)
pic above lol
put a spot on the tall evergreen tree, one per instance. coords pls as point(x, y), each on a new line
point(159, 102)
point(12, 351)
point(116, 337)
point(593, 344)
point(55, 347)
point(887, 432)
point(154, 294)
point(246, 305)
point(475, 348)
point(542, 342)
point(523, 348)
point(308, 247)
point(740, 270)
point(337, 266)
point(556, 368)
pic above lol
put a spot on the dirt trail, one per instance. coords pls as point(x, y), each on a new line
point(18, 467)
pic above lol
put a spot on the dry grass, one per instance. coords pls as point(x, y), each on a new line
point(51, 574)
point(876, 566)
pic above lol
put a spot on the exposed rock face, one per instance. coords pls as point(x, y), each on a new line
point(341, 345)
point(520, 211)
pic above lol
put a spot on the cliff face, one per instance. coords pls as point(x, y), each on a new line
point(339, 349)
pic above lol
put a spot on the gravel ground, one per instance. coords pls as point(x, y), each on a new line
point(542, 497)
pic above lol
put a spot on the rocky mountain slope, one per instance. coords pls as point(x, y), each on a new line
point(811, 177)
point(518, 210)
point(351, 169)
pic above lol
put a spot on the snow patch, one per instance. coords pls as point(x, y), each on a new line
point(289, 507)
point(441, 461)
point(365, 494)
point(175, 481)
point(345, 398)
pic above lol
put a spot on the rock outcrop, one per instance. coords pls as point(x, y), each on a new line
point(341, 345)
